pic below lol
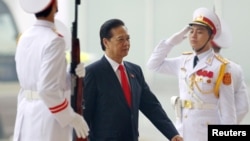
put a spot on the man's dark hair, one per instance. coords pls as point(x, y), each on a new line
point(210, 31)
point(45, 12)
point(105, 30)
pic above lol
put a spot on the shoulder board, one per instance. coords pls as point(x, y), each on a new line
point(221, 59)
point(187, 53)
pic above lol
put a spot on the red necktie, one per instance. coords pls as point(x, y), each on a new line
point(125, 84)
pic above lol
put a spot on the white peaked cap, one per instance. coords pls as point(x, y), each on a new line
point(224, 40)
point(34, 6)
point(204, 16)
point(62, 29)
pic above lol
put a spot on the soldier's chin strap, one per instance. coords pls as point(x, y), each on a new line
point(200, 49)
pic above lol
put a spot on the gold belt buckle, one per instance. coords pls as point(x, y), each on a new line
point(187, 104)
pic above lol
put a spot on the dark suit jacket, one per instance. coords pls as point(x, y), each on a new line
point(106, 111)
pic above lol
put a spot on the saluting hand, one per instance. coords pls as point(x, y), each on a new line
point(178, 37)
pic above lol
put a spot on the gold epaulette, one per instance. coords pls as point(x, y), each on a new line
point(187, 53)
point(221, 59)
point(221, 76)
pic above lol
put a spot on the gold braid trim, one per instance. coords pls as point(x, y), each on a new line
point(201, 91)
point(218, 81)
point(221, 74)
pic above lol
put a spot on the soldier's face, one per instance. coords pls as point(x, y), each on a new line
point(199, 36)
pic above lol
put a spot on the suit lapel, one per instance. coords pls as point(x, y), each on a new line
point(113, 80)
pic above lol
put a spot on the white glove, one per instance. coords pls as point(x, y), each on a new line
point(80, 126)
point(80, 70)
point(178, 37)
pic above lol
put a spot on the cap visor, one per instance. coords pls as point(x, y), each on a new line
point(197, 23)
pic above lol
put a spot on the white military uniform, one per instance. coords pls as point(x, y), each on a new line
point(198, 89)
point(240, 92)
point(240, 88)
point(44, 110)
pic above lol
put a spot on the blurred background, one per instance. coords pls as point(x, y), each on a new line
point(148, 22)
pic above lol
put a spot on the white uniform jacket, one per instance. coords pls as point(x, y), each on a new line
point(240, 91)
point(200, 106)
point(41, 68)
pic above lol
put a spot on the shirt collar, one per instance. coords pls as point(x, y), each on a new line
point(204, 54)
point(113, 64)
point(44, 23)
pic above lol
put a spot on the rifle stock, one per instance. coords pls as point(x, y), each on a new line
point(76, 82)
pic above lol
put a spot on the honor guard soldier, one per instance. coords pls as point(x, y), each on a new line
point(44, 112)
point(223, 41)
point(205, 83)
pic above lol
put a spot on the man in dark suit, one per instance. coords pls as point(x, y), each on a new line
point(109, 116)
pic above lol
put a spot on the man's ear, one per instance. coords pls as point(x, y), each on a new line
point(212, 37)
point(105, 42)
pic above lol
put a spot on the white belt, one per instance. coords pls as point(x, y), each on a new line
point(31, 95)
point(188, 104)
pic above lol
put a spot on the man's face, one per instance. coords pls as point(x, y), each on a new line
point(118, 45)
point(198, 36)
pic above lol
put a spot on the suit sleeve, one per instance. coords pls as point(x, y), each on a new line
point(89, 95)
point(152, 109)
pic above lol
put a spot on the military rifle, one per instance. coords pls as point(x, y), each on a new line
point(76, 82)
